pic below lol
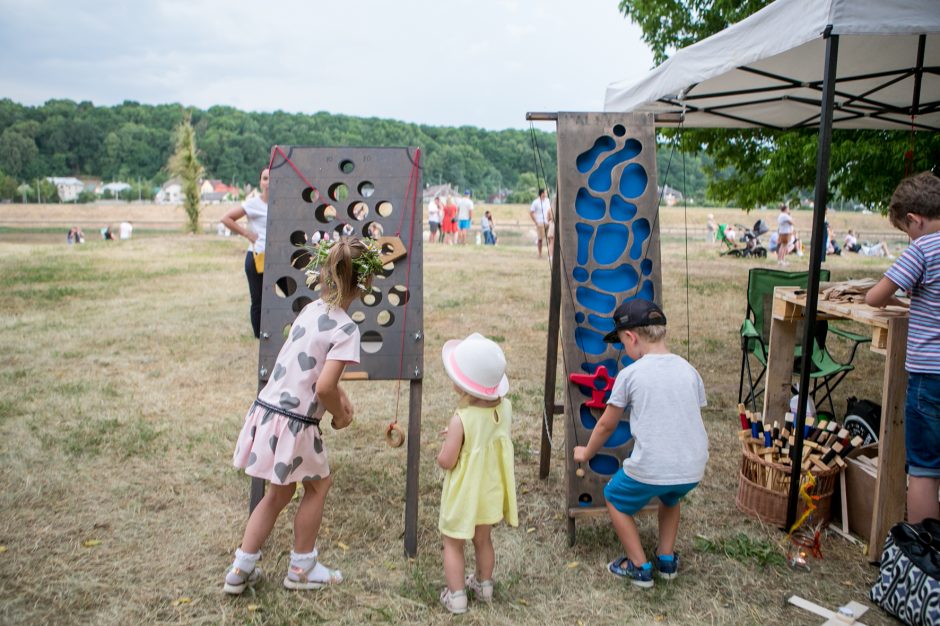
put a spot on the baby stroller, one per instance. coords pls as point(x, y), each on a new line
point(751, 240)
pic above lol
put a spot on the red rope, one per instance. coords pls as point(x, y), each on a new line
point(277, 149)
point(411, 190)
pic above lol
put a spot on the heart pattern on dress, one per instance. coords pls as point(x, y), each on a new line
point(348, 328)
point(268, 415)
point(314, 477)
point(272, 442)
point(325, 323)
point(306, 361)
point(288, 401)
point(251, 459)
point(295, 426)
point(282, 470)
point(312, 409)
point(279, 371)
point(317, 445)
point(297, 333)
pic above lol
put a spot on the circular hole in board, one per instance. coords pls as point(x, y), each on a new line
point(359, 210)
point(385, 318)
point(298, 238)
point(285, 286)
point(371, 341)
point(346, 166)
point(384, 208)
point(339, 191)
point(325, 213)
point(366, 189)
point(298, 305)
point(310, 195)
point(299, 259)
point(372, 298)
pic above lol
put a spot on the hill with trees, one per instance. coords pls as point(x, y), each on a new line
point(132, 141)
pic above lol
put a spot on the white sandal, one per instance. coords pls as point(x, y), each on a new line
point(482, 589)
point(298, 578)
point(454, 601)
point(237, 580)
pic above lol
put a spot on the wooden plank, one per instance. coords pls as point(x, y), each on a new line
point(551, 354)
point(779, 368)
point(890, 485)
point(577, 512)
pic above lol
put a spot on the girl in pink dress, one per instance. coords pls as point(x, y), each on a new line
point(281, 440)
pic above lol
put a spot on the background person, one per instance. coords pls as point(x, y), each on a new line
point(255, 211)
point(784, 233)
point(540, 212)
point(464, 217)
point(434, 218)
point(487, 226)
point(449, 226)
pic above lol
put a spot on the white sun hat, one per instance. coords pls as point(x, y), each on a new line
point(477, 365)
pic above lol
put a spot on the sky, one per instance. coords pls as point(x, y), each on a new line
point(478, 63)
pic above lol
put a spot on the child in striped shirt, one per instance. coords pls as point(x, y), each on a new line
point(915, 209)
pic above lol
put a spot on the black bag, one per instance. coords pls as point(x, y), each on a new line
point(908, 584)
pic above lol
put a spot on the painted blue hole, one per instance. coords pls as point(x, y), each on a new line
point(619, 130)
point(617, 280)
point(633, 180)
point(587, 206)
point(627, 361)
point(600, 179)
point(587, 418)
point(610, 243)
point(621, 210)
point(584, 499)
point(604, 464)
point(620, 436)
point(603, 324)
point(580, 274)
point(646, 266)
point(610, 364)
point(646, 291)
point(641, 231)
point(586, 160)
point(589, 341)
point(579, 317)
point(584, 241)
point(595, 300)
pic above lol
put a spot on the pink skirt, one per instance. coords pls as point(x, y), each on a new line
point(281, 449)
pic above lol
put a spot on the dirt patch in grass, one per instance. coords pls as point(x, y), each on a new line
point(123, 388)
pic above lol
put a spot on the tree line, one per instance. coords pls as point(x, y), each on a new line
point(131, 141)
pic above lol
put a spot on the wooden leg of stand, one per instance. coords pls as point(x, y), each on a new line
point(414, 464)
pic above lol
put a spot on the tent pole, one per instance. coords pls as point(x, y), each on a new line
point(815, 262)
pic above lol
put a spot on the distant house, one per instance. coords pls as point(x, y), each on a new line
point(68, 187)
point(219, 191)
point(170, 193)
point(92, 185)
point(114, 189)
point(670, 195)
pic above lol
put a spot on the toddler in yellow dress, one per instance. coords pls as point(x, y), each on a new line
point(477, 456)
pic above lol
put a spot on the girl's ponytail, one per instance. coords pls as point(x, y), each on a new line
point(346, 269)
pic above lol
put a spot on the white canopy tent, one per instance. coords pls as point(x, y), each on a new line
point(853, 64)
point(767, 70)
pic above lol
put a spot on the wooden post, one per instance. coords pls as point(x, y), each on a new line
point(413, 468)
point(890, 486)
point(551, 352)
point(779, 368)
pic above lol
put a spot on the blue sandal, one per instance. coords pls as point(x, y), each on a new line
point(639, 576)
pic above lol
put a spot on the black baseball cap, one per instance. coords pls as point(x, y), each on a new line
point(634, 313)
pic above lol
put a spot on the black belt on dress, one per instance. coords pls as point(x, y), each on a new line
point(314, 421)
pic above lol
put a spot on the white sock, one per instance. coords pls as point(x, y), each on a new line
point(303, 561)
point(246, 561)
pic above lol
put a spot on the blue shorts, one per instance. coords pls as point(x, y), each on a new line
point(629, 496)
point(922, 425)
point(463, 224)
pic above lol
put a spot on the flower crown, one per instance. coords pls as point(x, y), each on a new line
point(367, 264)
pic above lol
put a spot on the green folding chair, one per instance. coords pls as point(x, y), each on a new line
point(755, 334)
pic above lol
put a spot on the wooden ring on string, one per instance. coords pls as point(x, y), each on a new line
point(394, 435)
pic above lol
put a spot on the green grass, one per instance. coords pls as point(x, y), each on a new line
point(744, 549)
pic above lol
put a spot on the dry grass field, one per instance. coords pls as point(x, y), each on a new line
point(128, 367)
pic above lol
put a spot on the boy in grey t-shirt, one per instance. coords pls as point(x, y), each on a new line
point(664, 395)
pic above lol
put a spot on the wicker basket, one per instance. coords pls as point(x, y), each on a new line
point(763, 489)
